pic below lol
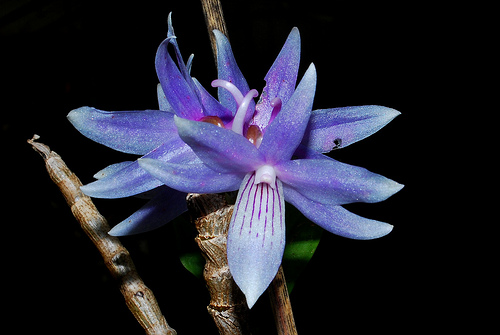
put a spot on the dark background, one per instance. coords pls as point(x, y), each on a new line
point(60, 55)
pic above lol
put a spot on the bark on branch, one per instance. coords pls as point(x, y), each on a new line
point(228, 307)
point(214, 19)
point(138, 297)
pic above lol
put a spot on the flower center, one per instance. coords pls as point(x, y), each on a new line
point(243, 102)
point(266, 174)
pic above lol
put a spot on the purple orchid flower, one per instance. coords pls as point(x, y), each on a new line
point(272, 153)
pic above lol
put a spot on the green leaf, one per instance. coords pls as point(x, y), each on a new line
point(189, 253)
point(193, 262)
point(302, 240)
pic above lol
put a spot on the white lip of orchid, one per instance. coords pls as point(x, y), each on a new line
point(266, 174)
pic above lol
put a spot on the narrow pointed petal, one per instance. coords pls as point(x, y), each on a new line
point(336, 219)
point(221, 149)
point(134, 132)
point(111, 169)
point(280, 80)
point(172, 39)
point(285, 132)
point(129, 181)
point(191, 178)
point(331, 182)
point(340, 127)
point(180, 91)
point(162, 100)
point(256, 237)
point(228, 70)
point(164, 207)
point(211, 105)
point(132, 179)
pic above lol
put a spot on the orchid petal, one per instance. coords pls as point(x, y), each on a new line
point(228, 70)
point(336, 219)
point(129, 181)
point(134, 132)
point(184, 69)
point(179, 91)
point(256, 237)
point(132, 179)
point(164, 207)
point(162, 100)
point(280, 80)
point(191, 178)
point(331, 182)
point(221, 149)
point(339, 127)
point(211, 105)
point(285, 132)
point(111, 169)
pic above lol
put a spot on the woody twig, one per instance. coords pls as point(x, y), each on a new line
point(138, 297)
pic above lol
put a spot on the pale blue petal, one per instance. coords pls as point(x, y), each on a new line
point(339, 127)
point(280, 80)
point(285, 132)
point(132, 179)
point(191, 178)
point(134, 132)
point(256, 237)
point(164, 207)
point(221, 149)
point(331, 182)
point(129, 181)
point(111, 169)
point(229, 70)
point(336, 219)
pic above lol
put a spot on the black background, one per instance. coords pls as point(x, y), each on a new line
point(60, 55)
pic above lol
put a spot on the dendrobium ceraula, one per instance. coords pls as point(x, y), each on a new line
point(271, 152)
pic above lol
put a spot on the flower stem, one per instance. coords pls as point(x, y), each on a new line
point(138, 297)
point(211, 215)
point(280, 303)
point(214, 18)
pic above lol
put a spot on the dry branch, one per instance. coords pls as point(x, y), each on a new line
point(138, 297)
point(228, 307)
point(280, 302)
point(214, 18)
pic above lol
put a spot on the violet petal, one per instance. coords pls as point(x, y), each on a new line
point(164, 207)
point(339, 127)
point(280, 79)
point(179, 91)
point(134, 132)
point(285, 132)
point(211, 105)
point(336, 219)
point(221, 149)
point(191, 178)
point(228, 70)
point(132, 179)
point(331, 182)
